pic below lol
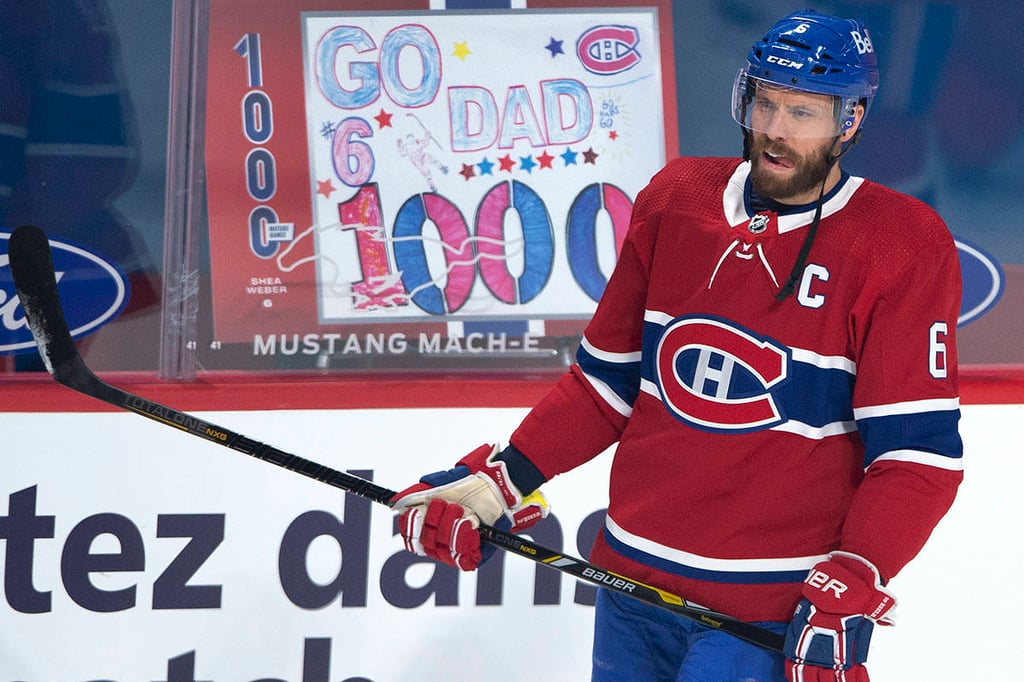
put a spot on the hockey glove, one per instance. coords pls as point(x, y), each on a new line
point(439, 516)
point(828, 638)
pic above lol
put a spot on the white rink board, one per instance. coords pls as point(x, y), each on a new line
point(115, 470)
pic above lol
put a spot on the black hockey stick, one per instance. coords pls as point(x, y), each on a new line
point(32, 267)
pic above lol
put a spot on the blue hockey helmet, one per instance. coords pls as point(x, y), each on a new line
point(816, 53)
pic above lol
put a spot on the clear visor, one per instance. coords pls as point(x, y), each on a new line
point(780, 112)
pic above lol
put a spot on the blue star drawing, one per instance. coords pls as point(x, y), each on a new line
point(485, 166)
point(527, 163)
point(555, 47)
point(569, 157)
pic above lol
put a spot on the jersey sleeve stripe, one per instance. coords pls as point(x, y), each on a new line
point(908, 407)
point(921, 432)
point(608, 356)
point(609, 396)
point(613, 376)
point(921, 457)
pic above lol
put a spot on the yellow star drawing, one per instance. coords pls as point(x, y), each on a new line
point(461, 50)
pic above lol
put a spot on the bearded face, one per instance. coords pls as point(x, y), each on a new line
point(788, 173)
point(792, 135)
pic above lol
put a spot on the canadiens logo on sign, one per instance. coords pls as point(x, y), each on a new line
point(93, 292)
point(607, 50)
point(717, 376)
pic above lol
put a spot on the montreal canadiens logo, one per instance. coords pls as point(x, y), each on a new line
point(607, 50)
point(717, 376)
point(92, 290)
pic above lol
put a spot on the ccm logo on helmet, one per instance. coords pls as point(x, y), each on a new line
point(782, 61)
point(717, 376)
point(607, 50)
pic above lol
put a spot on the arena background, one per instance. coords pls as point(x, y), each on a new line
point(135, 552)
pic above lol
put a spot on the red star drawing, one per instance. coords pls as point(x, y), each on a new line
point(545, 159)
point(467, 171)
point(506, 163)
point(612, 135)
point(590, 156)
point(324, 187)
point(383, 119)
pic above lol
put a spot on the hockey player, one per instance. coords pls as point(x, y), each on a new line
point(774, 356)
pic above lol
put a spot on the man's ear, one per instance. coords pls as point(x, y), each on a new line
point(858, 116)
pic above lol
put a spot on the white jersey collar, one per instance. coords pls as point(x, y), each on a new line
point(736, 212)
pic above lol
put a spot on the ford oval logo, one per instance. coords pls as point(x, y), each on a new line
point(92, 290)
point(983, 281)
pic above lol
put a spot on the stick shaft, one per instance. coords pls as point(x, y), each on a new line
point(356, 485)
point(32, 267)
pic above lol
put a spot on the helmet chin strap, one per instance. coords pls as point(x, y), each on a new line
point(812, 232)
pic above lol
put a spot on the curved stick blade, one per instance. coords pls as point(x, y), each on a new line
point(36, 283)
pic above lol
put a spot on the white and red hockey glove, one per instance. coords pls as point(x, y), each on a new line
point(439, 516)
point(828, 638)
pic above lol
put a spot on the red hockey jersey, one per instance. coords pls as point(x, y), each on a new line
point(757, 435)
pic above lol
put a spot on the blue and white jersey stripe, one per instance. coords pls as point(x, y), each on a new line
point(918, 431)
point(689, 565)
point(717, 376)
point(612, 375)
point(719, 369)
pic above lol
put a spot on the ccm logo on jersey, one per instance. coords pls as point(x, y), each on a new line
point(717, 376)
